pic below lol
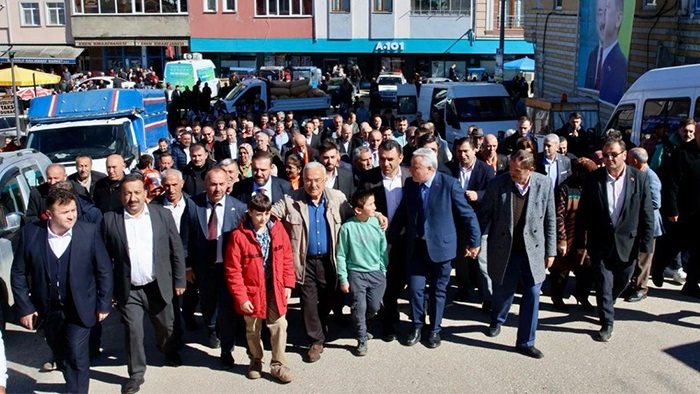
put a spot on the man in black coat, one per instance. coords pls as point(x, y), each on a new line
point(106, 195)
point(197, 169)
point(337, 177)
point(262, 181)
point(85, 178)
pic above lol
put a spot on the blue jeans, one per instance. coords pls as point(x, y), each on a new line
point(518, 270)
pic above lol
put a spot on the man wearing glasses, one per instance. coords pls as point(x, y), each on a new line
point(614, 223)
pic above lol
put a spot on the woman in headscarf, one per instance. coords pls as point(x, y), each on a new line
point(245, 156)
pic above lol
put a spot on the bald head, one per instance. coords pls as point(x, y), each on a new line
point(55, 173)
point(115, 167)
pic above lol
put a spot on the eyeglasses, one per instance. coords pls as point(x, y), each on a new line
point(612, 155)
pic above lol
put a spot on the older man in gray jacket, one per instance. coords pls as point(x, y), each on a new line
point(518, 213)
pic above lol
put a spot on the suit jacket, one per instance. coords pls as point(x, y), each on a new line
point(540, 232)
point(482, 173)
point(243, 189)
point(563, 166)
point(313, 153)
point(634, 231)
point(86, 193)
point(447, 213)
point(374, 180)
point(315, 141)
point(613, 75)
point(37, 203)
point(89, 272)
point(197, 242)
point(184, 219)
point(168, 253)
point(344, 182)
point(222, 150)
point(354, 143)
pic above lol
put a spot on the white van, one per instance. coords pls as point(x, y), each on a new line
point(188, 72)
point(660, 96)
point(461, 104)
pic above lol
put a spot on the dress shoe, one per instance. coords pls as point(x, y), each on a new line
point(691, 290)
point(529, 351)
point(657, 276)
point(314, 353)
point(214, 342)
point(132, 385)
point(585, 304)
point(636, 296)
point(173, 359)
point(559, 305)
point(413, 337)
point(226, 360)
point(433, 340)
point(492, 331)
point(604, 334)
point(486, 307)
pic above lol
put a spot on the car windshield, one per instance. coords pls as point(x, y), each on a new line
point(389, 81)
point(65, 144)
point(474, 109)
point(7, 122)
point(233, 93)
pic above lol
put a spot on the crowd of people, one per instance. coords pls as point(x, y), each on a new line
point(235, 214)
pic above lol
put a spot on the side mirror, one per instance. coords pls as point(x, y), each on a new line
point(13, 222)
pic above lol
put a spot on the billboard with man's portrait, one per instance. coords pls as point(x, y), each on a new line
point(604, 44)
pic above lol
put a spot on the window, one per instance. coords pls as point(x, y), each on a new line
point(133, 6)
point(210, 5)
point(441, 7)
point(696, 116)
point(283, 7)
point(340, 5)
point(33, 175)
point(697, 6)
point(55, 14)
point(11, 196)
point(623, 119)
point(557, 4)
point(668, 111)
point(649, 3)
point(29, 14)
point(229, 5)
point(383, 5)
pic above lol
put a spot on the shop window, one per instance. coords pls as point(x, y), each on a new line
point(340, 5)
point(440, 7)
point(55, 14)
point(29, 14)
point(383, 5)
point(283, 7)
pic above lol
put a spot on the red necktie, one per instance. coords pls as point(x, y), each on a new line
point(599, 69)
point(212, 225)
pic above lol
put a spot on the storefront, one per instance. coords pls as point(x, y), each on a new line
point(103, 55)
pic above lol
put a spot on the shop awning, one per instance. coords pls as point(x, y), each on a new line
point(47, 54)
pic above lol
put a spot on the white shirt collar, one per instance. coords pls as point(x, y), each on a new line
point(52, 235)
point(145, 212)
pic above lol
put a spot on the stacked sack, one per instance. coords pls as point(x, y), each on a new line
point(295, 89)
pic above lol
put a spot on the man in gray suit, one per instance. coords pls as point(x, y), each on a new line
point(518, 213)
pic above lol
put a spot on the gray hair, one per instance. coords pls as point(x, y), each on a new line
point(427, 157)
point(171, 172)
point(313, 164)
point(552, 139)
point(358, 151)
point(225, 163)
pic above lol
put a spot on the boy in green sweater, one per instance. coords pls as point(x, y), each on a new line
point(361, 256)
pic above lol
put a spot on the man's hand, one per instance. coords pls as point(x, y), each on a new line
point(189, 275)
point(179, 291)
point(287, 293)
point(673, 219)
point(472, 252)
point(102, 315)
point(345, 288)
point(383, 221)
point(471, 195)
point(247, 307)
point(28, 321)
point(548, 261)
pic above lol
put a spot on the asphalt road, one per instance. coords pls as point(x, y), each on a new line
point(655, 348)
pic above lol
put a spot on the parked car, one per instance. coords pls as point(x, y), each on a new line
point(109, 83)
point(388, 83)
point(19, 170)
point(437, 80)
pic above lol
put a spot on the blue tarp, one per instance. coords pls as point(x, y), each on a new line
point(524, 64)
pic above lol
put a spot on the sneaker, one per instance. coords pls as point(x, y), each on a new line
point(282, 373)
point(679, 276)
point(361, 349)
point(255, 369)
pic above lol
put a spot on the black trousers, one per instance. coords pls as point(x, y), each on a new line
point(217, 305)
point(69, 343)
point(611, 276)
point(396, 280)
point(317, 296)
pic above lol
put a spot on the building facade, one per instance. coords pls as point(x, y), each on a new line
point(422, 36)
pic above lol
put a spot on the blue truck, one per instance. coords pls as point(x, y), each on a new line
point(98, 123)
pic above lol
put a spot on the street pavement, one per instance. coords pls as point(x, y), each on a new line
point(655, 348)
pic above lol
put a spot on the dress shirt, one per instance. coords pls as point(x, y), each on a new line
point(465, 174)
point(523, 189)
point(187, 154)
point(86, 183)
point(616, 190)
point(176, 210)
point(318, 228)
point(59, 243)
point(139, 240)
point(267, 188)
point(281, 139)
point(233, 147)
point(346, 147)
point(330, 178)
point(400, 138)
point(309, 139)
point(393, 189)
point(375, 158)
point(219, 225)
point(551, 167)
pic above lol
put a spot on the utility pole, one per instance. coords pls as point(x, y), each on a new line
point(501, 43)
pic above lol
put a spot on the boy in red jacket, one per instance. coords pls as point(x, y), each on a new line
point(260, 276)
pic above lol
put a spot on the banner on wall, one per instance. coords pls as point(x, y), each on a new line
point(604, 43)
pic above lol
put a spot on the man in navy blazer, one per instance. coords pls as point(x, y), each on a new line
point(208, 233)
point(432, 211)
point(70, 284)
point(262, 180)
point(473, 175)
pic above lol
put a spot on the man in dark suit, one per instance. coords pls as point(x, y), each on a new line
point(607, 65)
point(347, 143)
point(36, 207)
point(197, 169)
point(212, 217)
point(337, 177)
point(312, 139)
point(301, 148)
point(62, 280)
point(85, 178)
point(473, 175)
point(334, 131)
point(518, 213)
point(489, 155)
point(262, 181)
point(386, 182)
point(433, 209)
point(614, 223)
point(149, 268)
point(522, 131)
point(106, 193)
point(228, 148)
point(553, 164)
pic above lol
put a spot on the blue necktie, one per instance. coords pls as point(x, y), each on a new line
point(420, 231)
